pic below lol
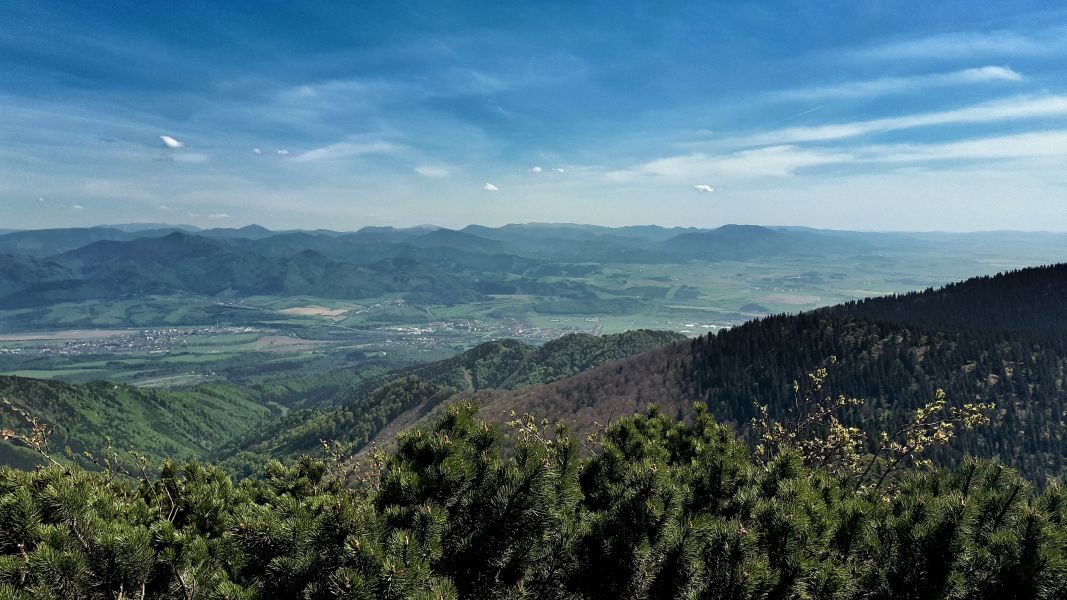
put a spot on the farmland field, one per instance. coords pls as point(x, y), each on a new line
point(175, 340)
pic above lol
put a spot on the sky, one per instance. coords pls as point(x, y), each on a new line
point(847, 115)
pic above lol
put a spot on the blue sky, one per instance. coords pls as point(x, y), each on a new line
point(854, 115)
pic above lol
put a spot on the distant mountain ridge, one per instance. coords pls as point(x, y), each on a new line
point(427, 265)
point(424, 265)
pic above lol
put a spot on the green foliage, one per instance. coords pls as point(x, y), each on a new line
point(508, 364)
point(363, 413)
point(182, 424)
point(811, 429)
point(465, 509)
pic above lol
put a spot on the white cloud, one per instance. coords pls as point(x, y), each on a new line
point(191, 157)
point(785, 160)
point(171, 142)
point(163, 207)
point(536, 169)
point(772, 161)
point(283, 152)
point(894, 85)
point(346, 150)
point(1024, 145)
point(219, 216)
point(964, 45)
point(489, 187)
point(1012, 109)
point(77, 207)
point(558, 170)
point(980, 75)
point(433, 170)
point(256, 151)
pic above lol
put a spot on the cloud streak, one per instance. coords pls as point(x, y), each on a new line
point(191, 157)
point(1012, 109)
point(433, 171)
point(898, 85)
point(344, 150)
point(787, 160)
point(969, 44)
point(1024, 145)
point(773, 161)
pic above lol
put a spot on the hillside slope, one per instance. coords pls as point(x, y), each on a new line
point(997, 339)
point(159, 424)
point(364, 414)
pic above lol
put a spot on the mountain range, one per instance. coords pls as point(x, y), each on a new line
point(425, 265)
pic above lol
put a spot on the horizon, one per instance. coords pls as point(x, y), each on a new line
point(149, 226)
point(947, 117)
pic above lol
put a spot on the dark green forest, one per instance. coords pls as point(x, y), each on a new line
point(1001, 339)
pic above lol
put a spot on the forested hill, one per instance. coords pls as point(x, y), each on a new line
point(892, 363)
point(362, 414)
point(508, 364)
point(159, 424)
point(1032, 299)
point(215, 420)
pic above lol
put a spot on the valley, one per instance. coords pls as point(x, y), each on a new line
point(168, 329)
point(473, 315)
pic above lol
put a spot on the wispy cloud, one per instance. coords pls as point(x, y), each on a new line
point(773, 161)
point(1024, 145)
point(536, 169)
point(489, 187)
point(433, 170)
point(191, 157)
point(969, 44)
point(219, 216)
point(897, 85)
point(786, 160)
point(343, 150)
point(1012, 109)
point(171, 142)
